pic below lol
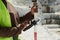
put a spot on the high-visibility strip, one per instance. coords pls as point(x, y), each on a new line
point(10, 2)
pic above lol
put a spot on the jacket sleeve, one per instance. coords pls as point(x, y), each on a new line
point(27, 17)
point(7, 32)
point(13, 31)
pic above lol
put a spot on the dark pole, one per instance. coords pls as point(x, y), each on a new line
point(15, 37)
point(47, 7)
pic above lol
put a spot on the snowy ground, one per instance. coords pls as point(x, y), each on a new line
point(43, 34)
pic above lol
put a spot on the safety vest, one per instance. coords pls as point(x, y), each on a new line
point(5, 20)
